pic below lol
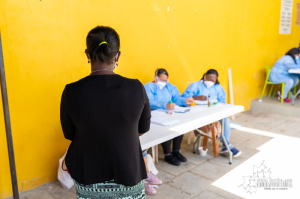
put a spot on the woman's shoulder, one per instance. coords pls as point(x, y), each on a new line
point(285, 58)
point(132, 85)
point(126, 78)
point(219, 87)
point(113, 80)
point(131, 80)
point(149, 85)
point(76, 83)
point(198, 83)
point(171, 86)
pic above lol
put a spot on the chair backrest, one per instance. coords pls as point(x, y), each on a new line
point(268, 70)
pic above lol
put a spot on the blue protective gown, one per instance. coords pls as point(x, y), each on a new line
point(279, 73)
point(160, 98)
point(198, 88)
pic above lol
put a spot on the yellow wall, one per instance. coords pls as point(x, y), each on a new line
point(44, 42)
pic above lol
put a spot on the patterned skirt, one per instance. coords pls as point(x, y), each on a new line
point(110, 190)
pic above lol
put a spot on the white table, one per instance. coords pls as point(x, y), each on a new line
point(197, 117)
point(295, 71)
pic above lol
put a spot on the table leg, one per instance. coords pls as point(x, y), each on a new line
point(205, 138)
point(196, 144)
point(226, 144)
point(293, 99)
point(189, 137)
point(199, 143)
point(156, 154)
point(153, 153)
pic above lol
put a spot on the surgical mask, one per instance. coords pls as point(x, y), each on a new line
point(160, 83)
point(297, 58)
point(208, 84)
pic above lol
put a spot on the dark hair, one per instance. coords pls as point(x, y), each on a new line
point(214, 72)
point(292, 53)
point(160, 71)
point(106, 52)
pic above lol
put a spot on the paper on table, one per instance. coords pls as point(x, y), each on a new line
point(212, 101)
point(156, 113)
point(161, 118)
point(177, 109)
point(294, 71)
point(220, 104)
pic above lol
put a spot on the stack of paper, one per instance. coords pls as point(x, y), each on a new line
point(177, 109)
point(212, 101)
point(297, 71)
point(161, 118)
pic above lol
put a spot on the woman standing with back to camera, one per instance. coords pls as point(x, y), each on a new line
point(103, 115)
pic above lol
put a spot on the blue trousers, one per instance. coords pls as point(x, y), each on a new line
point(227, 130)
point(290, 81)
point(144, 153)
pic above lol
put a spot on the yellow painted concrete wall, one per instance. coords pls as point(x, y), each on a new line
point(44, 42)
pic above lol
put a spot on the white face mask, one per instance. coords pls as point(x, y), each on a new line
point(160, 84)
point(297, 58)
point(208, 84)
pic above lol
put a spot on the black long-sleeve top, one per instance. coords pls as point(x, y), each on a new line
point(103, 115)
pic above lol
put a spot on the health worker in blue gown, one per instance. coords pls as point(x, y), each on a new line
point(163, 95)
point(209, 85)
point(280, 72)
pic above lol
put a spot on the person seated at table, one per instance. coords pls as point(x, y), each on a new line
point(163, 95)
point(280, 72)
point(210, 85)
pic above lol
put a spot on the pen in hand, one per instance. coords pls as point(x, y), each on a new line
point(171, 105)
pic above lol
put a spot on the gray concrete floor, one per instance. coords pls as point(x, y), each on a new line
point(194, 179)
point(273, 105)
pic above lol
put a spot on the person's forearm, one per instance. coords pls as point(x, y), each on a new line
point(197, 98)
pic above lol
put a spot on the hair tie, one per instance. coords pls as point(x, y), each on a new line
point(103, 42)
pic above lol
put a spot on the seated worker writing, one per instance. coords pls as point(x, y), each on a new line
point(280, 72)
point(163, 95)
point(210, 85)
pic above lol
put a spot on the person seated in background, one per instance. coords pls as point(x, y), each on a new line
point(280, 72)
point(210, 85)
point(163, 95)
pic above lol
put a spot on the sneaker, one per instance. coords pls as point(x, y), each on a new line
point(224, 150)
point(149, 189)
point(152, 179)
point(287, 100)
point(235, 152)
point(171, 159)
point(180, 157)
